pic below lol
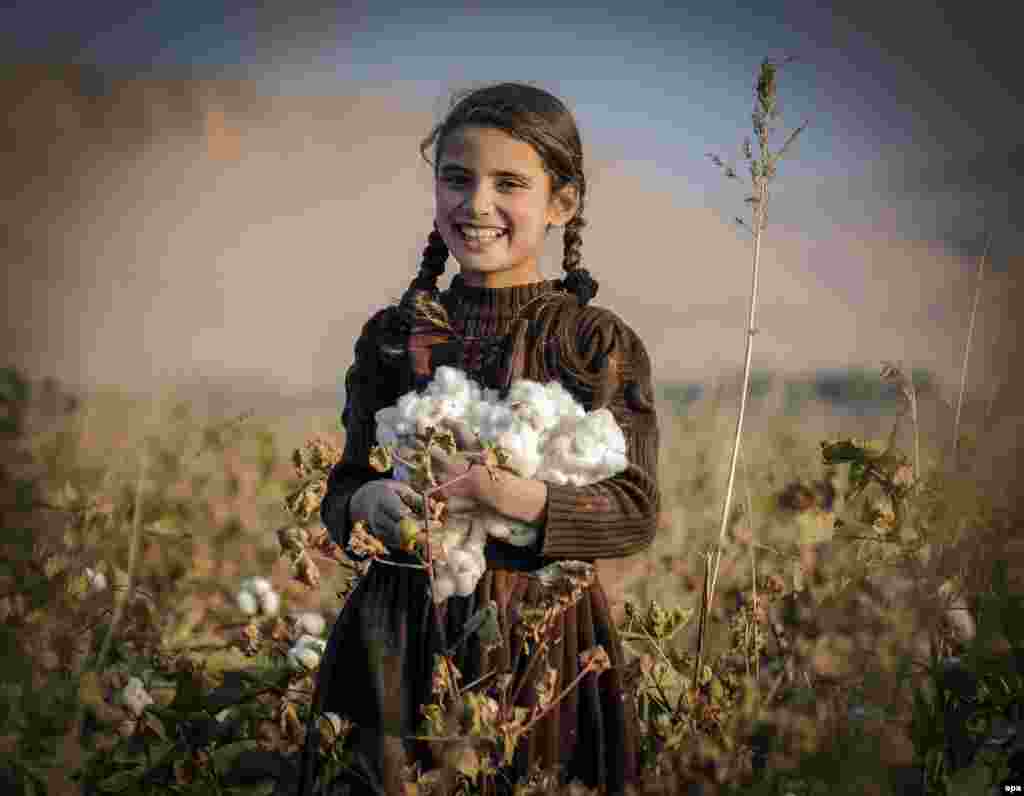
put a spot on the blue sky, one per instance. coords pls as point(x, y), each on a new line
point(911, 107)
point(913, 153)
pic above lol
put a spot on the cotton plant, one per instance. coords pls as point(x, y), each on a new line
point(310, 623)
point(545, 434)
point(307, 652)
point(257, 596)
point(97, 580)
point(135, 697)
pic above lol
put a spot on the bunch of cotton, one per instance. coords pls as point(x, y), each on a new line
point(309, 622)
point(582, 451)
point(461, 564)
point(306, 654)
point(97, 580)
point(135, 697)
point(256, 595)
point(578, 451)
point(515, 433)
point(546, 434)
point(542, 405)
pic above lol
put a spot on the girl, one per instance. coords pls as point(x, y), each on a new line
point(508, 167)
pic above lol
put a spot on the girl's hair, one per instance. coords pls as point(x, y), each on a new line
point(529, 114)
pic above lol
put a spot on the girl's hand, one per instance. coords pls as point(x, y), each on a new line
point(446, 467)
point(382, 504)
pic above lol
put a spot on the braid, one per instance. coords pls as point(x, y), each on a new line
point(577, 279)
point(422, 292)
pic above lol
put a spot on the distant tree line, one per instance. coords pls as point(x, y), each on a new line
point(855, 390)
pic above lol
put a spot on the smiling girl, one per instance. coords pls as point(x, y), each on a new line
point(508, 168)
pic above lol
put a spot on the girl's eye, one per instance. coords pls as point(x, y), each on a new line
point(459, 180)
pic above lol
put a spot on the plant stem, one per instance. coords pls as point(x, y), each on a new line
point(541, 648)
point(759, 211)
point(753, 569)
point(586, 670)
point(967, 352)
point(454, 688)
point(132, 555)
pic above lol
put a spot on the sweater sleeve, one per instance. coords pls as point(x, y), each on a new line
point(617, 516)
point(364, 393)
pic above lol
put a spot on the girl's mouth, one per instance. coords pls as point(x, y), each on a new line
point(480, 239)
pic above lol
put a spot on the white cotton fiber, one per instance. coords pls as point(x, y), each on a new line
point(547, 434)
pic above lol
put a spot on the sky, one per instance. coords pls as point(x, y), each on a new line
point(909, 161)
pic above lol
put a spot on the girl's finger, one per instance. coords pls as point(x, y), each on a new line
point(465, 439)
point(412, 500)
point(458, 504)
point(394, 508)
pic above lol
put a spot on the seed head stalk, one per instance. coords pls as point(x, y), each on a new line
point(762, 170)
point(751, 331)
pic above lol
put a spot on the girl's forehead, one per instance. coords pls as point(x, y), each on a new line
point(492, 144)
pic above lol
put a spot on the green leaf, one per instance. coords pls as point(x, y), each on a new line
point(121, 781)
point(262, 789)
point(188, 694)
point(226, 756)
point(13, 389)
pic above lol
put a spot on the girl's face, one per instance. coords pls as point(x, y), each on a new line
point(489, 180)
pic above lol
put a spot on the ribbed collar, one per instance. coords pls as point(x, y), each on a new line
point(489, 311)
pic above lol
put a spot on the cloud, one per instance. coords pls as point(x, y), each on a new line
point(144, 262)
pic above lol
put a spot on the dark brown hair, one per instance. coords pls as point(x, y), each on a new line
point(540, 119)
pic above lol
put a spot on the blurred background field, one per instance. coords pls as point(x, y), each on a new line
point(221, 466)
point(217, 466)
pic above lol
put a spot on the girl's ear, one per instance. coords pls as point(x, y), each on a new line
point(564, 206)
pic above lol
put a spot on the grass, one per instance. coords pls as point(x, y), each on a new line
point(195, 544)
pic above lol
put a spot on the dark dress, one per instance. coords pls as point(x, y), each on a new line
point(377, 670)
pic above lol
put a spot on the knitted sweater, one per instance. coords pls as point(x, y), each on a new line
point(595, 355)
point(379, 660)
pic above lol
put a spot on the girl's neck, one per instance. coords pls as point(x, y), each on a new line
point(499, 279)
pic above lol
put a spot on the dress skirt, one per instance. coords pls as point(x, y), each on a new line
point(377, 672)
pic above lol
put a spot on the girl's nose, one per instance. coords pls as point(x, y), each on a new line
point(480, 202)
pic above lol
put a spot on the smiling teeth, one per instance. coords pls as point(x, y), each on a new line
point(469, 232)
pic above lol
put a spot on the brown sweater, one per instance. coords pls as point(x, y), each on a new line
point(379, 659)
point(595, 355)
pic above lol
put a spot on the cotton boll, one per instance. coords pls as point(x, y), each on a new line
point(555, 477)
point(521, 442)
point(311, 623)
point(530, 399)
point(614, 463)
point(476, 541)
point(387, 416)
point(465, 583)
point(247, 603)
point(409, 407)
point(257, 585)
point(307, 652)
point(458, 561)
point(565, 405)
point(303, 658)
point(498, 528)
point(97, 580)
point(312, 642)
point(386, 436)
point(444, 587)
point(452, 408)
point(269, 603)
point(448, 380)
point(135, 697)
